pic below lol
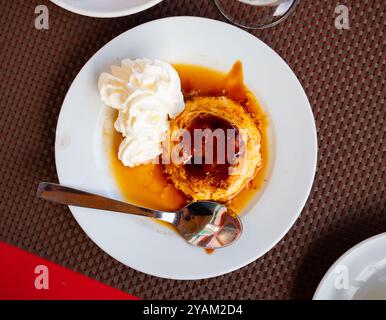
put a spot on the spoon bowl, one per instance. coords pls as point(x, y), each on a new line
point(208, 224)
point(205, 224)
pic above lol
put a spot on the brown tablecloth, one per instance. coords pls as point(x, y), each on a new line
point(342, 72)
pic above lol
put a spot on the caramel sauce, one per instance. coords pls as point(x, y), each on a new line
point(145, 185)
point(148, 186)
point(209, 251)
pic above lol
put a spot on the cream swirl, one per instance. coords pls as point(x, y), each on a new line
point(145, 93)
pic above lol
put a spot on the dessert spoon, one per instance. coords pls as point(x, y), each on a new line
point(205, 224)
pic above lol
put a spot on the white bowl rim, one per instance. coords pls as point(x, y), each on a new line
point(106, 14)
point(342, 258)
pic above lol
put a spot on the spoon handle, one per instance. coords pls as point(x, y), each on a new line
point(73, 197)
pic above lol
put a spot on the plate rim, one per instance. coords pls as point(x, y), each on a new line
point(341, 258)
point(107, 14)
point(300, 205)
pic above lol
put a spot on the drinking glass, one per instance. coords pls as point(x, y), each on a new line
point(256, 14)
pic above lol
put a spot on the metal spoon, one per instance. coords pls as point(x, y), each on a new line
point(204, 224)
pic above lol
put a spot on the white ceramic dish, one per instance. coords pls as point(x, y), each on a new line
point(106, 8)
point(359, 274)
point(143, 244)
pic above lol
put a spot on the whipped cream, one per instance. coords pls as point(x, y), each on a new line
point(146, 94)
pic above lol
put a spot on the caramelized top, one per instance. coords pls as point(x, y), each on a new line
point(211, 159)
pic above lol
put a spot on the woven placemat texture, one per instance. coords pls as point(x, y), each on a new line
point(342, 72)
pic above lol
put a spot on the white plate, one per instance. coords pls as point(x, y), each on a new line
point(360, 274)
point(106, 8)
point(143, 244)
